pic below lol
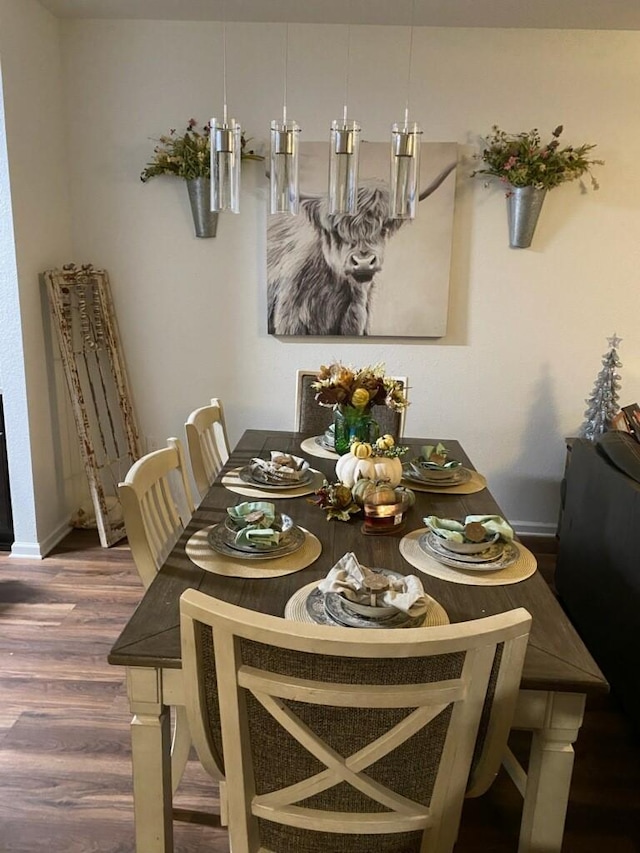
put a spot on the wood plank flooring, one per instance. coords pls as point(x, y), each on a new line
point(65, 784)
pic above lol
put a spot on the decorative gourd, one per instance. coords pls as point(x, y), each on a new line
point(349, 469)
point(361, 489)
point(385, 442)
point(406, 495)
point(361, 449)
point(382, 493)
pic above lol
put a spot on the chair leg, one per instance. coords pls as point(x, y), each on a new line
point(180, 746)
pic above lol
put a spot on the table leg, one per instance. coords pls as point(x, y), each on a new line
point(151, 758)
point(549, 774)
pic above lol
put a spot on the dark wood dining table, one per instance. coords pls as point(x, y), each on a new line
point(559, 673)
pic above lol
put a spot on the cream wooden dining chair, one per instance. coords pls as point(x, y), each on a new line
point(336, 739)
point(207, 442)
point(157, 505)
point(313, 419)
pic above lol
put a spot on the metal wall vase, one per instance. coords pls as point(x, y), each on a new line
point(523, 209)
point(204, 220)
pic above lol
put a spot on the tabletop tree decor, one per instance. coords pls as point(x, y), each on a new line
point(187, 155)
point(603, 401)
point(352, 393)
point(529, 168)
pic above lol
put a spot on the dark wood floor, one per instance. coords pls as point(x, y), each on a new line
point(65, 782)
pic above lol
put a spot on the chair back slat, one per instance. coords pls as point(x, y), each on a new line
point(207, 442)
point(157, 504)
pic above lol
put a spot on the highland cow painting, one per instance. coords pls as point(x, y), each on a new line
point(366, 274)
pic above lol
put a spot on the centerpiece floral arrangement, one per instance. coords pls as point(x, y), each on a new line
point(352, 392)
point(523, 160)
point(360, 388)
point(187, 154)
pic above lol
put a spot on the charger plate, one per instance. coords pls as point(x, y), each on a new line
point(222, 541)
point(234, 482)
point(523, 566)
point(200, 552)
point(314, 447)
point(307, 605)
point(476, 483)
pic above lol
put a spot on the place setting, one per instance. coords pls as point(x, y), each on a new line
point(355, 596)
point(283, 475)
point(434, 471)
point(254, 540)
point(321, 445)
point(478, 550)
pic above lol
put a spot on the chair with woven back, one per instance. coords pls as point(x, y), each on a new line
point(207, 442)
point(337, 739)
point(157, 505)
point(313, 419)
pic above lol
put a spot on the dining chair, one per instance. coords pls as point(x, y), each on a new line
point(339, 739)
point(207, 442)
point(313, 419)
point(157, 505)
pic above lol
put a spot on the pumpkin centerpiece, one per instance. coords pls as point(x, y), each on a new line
point(376, 462)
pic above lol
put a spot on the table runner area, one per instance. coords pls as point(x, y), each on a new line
point(296, 609)
point(311, 446)
point(232, 481)
point(523, 568)
point(200, 552)
point(477, 483)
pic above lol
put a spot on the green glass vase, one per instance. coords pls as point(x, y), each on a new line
point(350, 423)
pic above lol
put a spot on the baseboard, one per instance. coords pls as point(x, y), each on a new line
point(534, 528)
point(39, 550)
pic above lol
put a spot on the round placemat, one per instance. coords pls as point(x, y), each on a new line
point(200, 552)
point(311, 446)
point(476, 483)
point(234, 483)
point(296, 609)
point(523, 567)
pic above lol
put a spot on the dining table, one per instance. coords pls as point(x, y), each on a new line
point(558, 676)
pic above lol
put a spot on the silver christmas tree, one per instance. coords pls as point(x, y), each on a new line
point(603, 402)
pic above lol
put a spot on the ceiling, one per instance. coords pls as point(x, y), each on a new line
point(536, 14)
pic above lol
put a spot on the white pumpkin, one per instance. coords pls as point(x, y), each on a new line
point(349, 469)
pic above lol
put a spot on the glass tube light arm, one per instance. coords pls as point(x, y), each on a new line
point(226, 155)
point(405, 169)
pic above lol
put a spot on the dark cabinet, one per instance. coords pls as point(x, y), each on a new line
point(6, 519)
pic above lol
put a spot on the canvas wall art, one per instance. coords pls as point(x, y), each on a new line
point(361, 275)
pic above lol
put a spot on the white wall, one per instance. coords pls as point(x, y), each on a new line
point(527, 328)
point(34, 235)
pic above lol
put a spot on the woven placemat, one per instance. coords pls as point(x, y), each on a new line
point(476, 484)
point(232, 481)
point(200, 552)
point(296, 609)
point(523, 567)
point(311, 446)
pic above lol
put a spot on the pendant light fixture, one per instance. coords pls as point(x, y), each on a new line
point(405, 156)
point(344, 154)
point(226, 150)
point(284, 187)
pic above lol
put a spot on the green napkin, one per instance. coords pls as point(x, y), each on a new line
point(259, 537)
point(449, 528)
point(241, 511)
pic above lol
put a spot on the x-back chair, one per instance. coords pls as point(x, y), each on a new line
point(336, 739)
